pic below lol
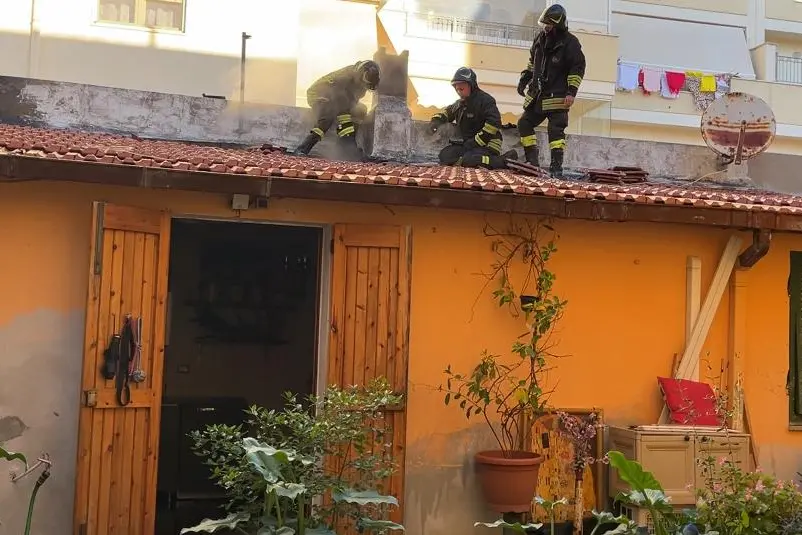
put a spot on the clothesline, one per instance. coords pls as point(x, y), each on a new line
point(704, 87)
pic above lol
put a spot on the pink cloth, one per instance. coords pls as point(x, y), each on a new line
point(651, 79)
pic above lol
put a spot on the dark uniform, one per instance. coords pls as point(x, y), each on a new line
point(479, 123)
point(555, 70)
point(335, 97)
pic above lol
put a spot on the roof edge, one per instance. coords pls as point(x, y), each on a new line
point(20, 168)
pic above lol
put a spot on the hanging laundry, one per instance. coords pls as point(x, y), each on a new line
point(627, 76)
point(675, 81)
point(651, 80)
point(694, 74)
point(708, 84)
point(701, 99)
point(722, 84)
point(665, 88)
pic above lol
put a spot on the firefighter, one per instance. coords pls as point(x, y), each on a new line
point(478, 121)
point(549, 85)
point(335, 97)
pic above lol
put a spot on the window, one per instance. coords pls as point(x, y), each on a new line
point(167, 14)
point(795, 339)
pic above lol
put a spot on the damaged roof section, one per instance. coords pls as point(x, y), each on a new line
point(617, 185)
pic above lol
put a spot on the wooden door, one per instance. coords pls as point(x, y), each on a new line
point(118, 445)
point(370, 321)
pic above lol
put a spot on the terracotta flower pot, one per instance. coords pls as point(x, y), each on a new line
point(508, 483)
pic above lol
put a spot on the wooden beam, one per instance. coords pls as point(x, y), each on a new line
point(690, 357)
point(693, 301)
point(737, 347)
point(693, 347)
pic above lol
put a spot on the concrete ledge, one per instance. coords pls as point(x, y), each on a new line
point(180, 117)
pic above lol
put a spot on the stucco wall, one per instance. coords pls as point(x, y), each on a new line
point(625, 320)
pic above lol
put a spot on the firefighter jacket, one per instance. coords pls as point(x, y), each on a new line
point(477, 117)
point(556, 68)
point(342, 88)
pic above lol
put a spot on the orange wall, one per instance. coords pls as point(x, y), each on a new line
point(625, 286)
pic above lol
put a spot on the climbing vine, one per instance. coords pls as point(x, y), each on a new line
point(514, 391)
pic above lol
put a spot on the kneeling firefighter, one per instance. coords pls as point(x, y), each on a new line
point(549, 85)
point(335, 97)
point(479, 122)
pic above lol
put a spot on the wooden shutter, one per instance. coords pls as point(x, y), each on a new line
point(118, 445)
point(370, 321)
point(795, 335)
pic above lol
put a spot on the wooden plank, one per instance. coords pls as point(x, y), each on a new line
point(723, 271)
point(116, 466)
point(370, 322)
point(737, 346)
point(693, 301)
point(690, 357)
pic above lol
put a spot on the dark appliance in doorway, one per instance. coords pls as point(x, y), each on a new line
point(185, 494)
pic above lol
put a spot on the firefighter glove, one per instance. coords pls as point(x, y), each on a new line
point(435, 123)
point(526, 77)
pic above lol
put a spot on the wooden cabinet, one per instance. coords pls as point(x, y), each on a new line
point(674, 455)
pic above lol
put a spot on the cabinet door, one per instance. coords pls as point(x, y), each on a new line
point(671, 459)
point(731, 448)
point(625, 441)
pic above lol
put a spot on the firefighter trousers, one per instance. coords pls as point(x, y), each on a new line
point(533, 117)
point(468, 156)
point(347, 115)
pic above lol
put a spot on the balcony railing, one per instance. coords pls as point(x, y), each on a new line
point(457, 29)
point(789, 69)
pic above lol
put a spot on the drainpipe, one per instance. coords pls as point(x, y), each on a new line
point(245, 38)
point(761, 240)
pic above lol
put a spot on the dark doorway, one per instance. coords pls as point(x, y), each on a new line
point(241, 330)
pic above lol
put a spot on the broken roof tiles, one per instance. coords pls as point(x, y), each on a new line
point(269, 161)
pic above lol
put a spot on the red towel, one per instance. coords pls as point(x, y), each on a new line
point(675, 81)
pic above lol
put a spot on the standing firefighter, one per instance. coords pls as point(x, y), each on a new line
point(479, 122)
point(336, 96)
point(549, 85)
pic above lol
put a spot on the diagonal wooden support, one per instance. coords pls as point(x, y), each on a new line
point(690, 357)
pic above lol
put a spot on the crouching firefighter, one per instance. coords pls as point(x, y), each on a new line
point(478, 121)
point(335, 97)
point(549, 85)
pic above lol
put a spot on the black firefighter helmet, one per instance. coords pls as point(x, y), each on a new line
point(465, 74)
point(554, 15)
point(369, 70)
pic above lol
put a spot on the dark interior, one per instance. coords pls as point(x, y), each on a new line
point(241, 330)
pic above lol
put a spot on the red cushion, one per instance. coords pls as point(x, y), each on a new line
point(689, 402)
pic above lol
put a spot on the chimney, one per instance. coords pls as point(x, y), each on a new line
point(387, 131)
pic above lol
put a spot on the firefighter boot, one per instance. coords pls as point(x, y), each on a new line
point(349, 150)
point(531, 155)
point(307, 144)
point(556, 167)
point(511, 154)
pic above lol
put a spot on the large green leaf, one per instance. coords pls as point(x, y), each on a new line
point(632, 473)
point(364, 497)
point(12, 456)
point(370, 524)
point(516, 526)
point(319, 531)
point(210, 526)
point(287, 490)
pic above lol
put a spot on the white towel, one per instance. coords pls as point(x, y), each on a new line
point(651, 79)
point(664, 89)
point(627, 76)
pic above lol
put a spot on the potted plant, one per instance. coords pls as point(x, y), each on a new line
point(509, 393)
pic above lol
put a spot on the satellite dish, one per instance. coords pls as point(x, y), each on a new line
point(738, 126)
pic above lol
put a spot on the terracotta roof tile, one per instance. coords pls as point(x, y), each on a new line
point(275, 162)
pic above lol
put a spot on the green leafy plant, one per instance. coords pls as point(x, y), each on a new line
point(309, 468)
point(646, 492)
point(737, 502)
point(513, 391)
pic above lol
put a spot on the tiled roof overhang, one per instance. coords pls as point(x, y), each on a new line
point(28, 153)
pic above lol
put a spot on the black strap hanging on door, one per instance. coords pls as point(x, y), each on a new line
point(124, 362)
